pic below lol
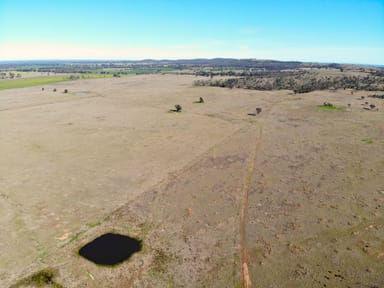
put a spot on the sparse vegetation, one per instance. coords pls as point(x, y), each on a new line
point(94, 224)
point(39, 279)
point(367, 141)
point(298, 81)
point(377, 96)
point(160, 261)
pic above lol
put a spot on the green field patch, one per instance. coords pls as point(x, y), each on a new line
point(28, 82)
point(37, 81)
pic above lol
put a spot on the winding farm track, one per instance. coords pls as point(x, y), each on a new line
point(243, 213)
point(246, 279)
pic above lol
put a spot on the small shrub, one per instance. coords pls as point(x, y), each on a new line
point(367, 141)
point(200, 101)
point(178, 108)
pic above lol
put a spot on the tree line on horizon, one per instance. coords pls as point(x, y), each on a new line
point(298, 82)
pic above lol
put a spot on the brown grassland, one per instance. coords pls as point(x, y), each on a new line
point(291, 197)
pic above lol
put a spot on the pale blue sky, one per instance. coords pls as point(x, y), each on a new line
point(322, 31)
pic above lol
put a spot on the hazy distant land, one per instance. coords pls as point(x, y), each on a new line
point(275, 179)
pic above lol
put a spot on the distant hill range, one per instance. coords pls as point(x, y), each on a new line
point(216, 63)
point(250, 64)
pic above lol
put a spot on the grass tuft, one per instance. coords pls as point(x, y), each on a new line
point(330, 108)
point(367, 141)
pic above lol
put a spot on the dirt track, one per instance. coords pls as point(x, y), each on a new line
point(295, 192)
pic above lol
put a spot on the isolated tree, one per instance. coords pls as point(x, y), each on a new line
point(178, 108)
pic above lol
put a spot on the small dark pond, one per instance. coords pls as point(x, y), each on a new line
point(110, 249)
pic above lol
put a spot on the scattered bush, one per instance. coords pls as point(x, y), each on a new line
point(74, 77)
point(377, 96)
point(297, 81)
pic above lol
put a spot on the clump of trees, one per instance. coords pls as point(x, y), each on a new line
point(11, 75)
point(377, 96)
point(74, 77)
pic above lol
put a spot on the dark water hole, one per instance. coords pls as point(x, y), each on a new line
point(110, 249)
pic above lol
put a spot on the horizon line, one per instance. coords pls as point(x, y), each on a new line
point(178, 59)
